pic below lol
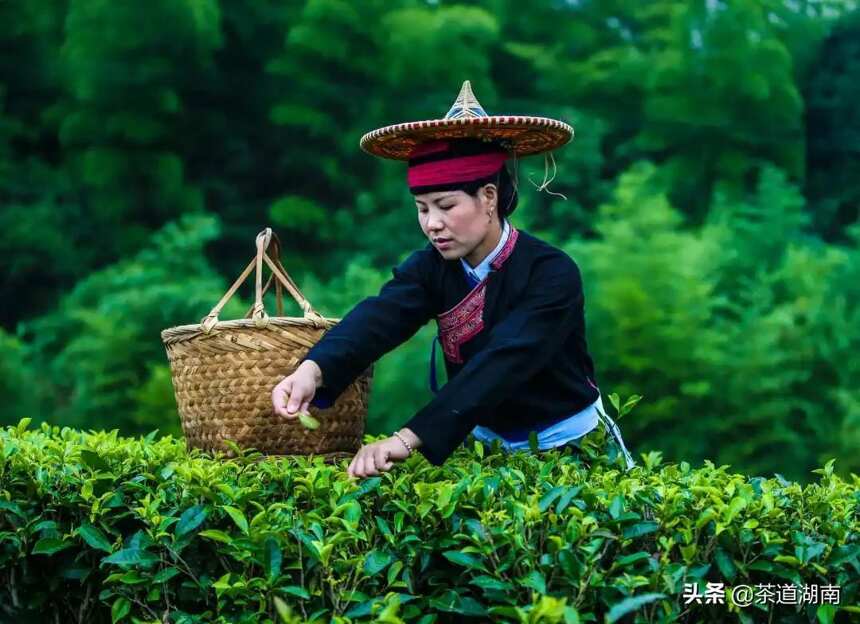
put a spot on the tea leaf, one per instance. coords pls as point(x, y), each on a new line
point(464, 559)
point(629, 605)
point(50, 545)
point(190, 519)
point(308, 421)
point(132, 556)
point(376, 561)
point(218, 536)
point(548, 498)
point(94, 537)
point(165, 575)
point(94, 460)
point(238, 517)
point(272, 558)
point(639, 529)
point(121, 607)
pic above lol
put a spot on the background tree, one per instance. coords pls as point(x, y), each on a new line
point(709, 194)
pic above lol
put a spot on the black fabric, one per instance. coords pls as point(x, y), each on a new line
point(457, 148)
point(529, 364)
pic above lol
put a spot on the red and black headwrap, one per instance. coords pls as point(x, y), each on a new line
point(445, 165)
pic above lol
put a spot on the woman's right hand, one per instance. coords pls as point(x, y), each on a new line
point(294, 393)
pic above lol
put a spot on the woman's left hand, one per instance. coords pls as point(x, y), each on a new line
point(371, 459)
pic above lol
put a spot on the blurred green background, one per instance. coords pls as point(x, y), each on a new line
point(713, 190)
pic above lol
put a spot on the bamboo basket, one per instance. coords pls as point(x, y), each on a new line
point(224, 372)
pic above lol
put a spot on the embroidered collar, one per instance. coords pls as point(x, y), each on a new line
point(466, 319)
point(483, 269)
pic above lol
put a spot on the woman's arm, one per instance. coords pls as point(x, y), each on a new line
point(374, 326)
point(519, 346)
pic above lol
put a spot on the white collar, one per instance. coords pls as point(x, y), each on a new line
point(483, 269)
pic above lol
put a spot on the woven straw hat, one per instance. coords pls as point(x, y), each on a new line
point(523, 135)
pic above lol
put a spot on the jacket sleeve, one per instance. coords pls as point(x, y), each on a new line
point(518, 347)
point(373, 327)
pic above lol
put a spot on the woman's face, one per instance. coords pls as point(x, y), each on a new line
point(456, 222)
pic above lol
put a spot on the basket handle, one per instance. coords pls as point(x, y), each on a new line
point(258, 312)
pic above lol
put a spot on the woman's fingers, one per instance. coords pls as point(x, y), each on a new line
point(279, 396)
point(382, 461)
point(368, 461)
point(369, 464)
point(296, 397)
point(306, 406)
point(354, 464)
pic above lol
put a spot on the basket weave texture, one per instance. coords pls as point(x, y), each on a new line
point(224, 372)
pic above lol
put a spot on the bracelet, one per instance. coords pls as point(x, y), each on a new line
point(408, 446)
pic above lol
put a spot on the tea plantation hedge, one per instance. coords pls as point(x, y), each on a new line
point(98, 528)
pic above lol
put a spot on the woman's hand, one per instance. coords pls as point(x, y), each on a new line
point(373, 458)
point(294, 393)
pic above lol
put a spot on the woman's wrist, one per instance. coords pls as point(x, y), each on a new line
point(315, 370)
point(409, 436)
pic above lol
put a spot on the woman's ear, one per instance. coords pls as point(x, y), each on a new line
point(490, 196)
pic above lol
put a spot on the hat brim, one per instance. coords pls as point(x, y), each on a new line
point(523, 135)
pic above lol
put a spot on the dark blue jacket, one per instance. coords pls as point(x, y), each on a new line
point(516, 357)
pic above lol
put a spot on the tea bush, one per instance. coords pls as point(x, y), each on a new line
point(99, 528)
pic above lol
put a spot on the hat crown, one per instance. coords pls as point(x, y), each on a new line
point(466, 105)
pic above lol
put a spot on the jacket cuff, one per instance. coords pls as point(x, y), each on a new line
point(432, 447)
point(333, 384)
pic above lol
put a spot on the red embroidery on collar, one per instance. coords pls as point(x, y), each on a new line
point(466, 319)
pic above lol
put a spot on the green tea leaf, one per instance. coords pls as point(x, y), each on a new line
point(535, 580)
point(464, 559)
point(238, 517)
point(132, 556)
point(218, 536)
point(568, 496)
point(94, 537)
point(629, 605)
point(616, 506)
point(121, 607)
point(639, 529)
point(616, 402)
point(628, 559)
point(548, 498)
point(825, 613)
point(725, 564)
point(488, 582)
point(295, 590)
point(94, 460)
point(734, 508)
point(165, 575)
point(50, 545)
point(308, 421)
point(190, 519)
point(272, 558)
point(376, 561)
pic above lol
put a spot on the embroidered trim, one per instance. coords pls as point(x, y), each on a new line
point(466, 319)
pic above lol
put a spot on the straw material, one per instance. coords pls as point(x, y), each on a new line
point(224, 372)
point(523, 135)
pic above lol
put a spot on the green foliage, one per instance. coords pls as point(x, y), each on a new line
point(709, 290)
point(833, 130)
point(18, 382)
point(95, 353)
point(142, 528)
point(735, 319)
